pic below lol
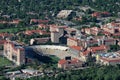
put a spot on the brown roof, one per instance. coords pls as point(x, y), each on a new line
point(63, 61)
point(98, 48)
point(76, 47)
point(111, 60)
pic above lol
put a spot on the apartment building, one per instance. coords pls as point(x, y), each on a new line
point(14, 52)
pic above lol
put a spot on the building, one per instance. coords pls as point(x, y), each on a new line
point(40, 32)
point(38, 21)
point(14, 52)
point(98, 40)
point(111, 29)
point(85, 54)
point(15, 21)
point(69, 63)
point(64, 13)
point(43, 26)
point(73, 41)
point(76, 50)
point(100, 14)
point(96, 14)
point(98, 49)
point(71, 31)
point(2, 44)
point(107, 41)
point(56, 33)
point(5, 35)
point(39, 40)
point(93, 30)
point(92, 51)
point(112, 58)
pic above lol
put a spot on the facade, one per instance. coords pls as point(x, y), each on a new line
point(14, 52)
point(39, 40)
point(2, 44)
point(71, 31)
point(5, 35)
point(38, 21)
point(56, 32)
point(43, 26)
point(31, 32)
point(98, 49)
point(72, 42)
point(76, 50)
point(112, 29)
point(96, 14)
point(92, 51)
point(93, 30)
point(85, 54)
point(69, 64)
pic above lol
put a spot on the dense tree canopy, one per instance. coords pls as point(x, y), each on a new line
point(93, 73)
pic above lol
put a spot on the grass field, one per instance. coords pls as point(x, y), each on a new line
point(4, 61)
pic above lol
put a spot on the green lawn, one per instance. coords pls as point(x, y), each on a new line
point(4, 61)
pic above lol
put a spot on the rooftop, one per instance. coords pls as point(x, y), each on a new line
point(15, 45)
point(76, 47)
point(72, 61)
point(110, 57)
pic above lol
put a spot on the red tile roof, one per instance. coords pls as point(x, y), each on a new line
point(86, 52)
point(110, 60)
point(63, 61)
point(39, 21)
point(76, 47)
point(96, 14)
point(106, 13)
point(41, 32)
point(98, 48)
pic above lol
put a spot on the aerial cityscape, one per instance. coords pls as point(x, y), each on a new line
point(59, 40)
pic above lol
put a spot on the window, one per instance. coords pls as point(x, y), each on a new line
point(14, 57)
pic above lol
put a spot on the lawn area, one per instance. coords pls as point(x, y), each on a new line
point(4, 61)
